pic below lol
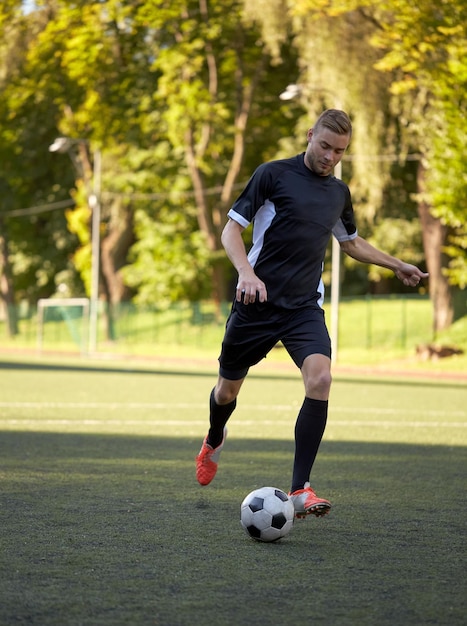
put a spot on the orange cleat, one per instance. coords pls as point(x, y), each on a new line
point(207, 461)
point(306, 502)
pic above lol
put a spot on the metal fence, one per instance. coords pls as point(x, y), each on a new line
point(372, 322)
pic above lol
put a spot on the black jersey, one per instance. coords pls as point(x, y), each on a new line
point(294, 212)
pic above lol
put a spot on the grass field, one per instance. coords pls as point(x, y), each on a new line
point(103, 523)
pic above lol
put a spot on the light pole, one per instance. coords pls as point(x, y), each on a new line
point(65, 145)
point(291, 92)
point(335, 284)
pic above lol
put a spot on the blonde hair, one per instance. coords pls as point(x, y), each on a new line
point(337, 121)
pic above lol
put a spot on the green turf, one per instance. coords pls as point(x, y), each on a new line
point(103, 522)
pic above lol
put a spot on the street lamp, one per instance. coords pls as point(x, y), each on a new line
point(65, 145)
point(291, 92)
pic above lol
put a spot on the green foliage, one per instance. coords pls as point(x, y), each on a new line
point(426, 46)
point(78, 221)
point(395, 235)
point(414, 51)
point(207, 64)
point(214, 97)
point(166, 91)
point(39, 243)
point(170, 260)
point(182, 98)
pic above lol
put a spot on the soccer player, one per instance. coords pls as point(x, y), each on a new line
point(295, 204)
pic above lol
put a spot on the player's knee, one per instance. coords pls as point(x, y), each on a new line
point(319, 385)
point(226, 393)
point(225, 398)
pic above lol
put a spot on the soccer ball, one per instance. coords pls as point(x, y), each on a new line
point(267, 514)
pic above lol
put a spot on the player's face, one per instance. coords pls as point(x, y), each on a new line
point(325, 149)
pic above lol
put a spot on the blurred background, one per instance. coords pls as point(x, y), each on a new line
point(127, 128)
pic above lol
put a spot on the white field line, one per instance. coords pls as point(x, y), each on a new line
point(101, 405)
point(184, 423)
point(243, 407)
point(197, 406)
point(183, 405)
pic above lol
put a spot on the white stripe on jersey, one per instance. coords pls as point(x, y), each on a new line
point(340, 232)
point(262, 222)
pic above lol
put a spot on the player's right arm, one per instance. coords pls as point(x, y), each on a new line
point(248, 285)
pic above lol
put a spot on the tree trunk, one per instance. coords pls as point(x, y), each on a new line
point(6, 284)
point(115, 246)
point(114, 250)
point(434, 234)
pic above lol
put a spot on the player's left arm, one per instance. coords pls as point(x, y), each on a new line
point(360, 250)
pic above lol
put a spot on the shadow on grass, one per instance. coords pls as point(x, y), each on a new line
point(110, 530)
point(123, 369)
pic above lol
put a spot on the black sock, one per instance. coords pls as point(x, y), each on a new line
point(309, 429)
point(218, 417)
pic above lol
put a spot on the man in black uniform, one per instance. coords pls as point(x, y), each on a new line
point(295, 205)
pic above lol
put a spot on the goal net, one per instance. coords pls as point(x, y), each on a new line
point(62, 321)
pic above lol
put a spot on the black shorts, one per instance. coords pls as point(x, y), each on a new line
point(252, 330)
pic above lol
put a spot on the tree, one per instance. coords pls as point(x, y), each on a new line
point(95, 60)
point(35, 245)
point(336, 69)
point(177, 96)
point(6, 285)
point(217, 90)
point(181, 97)
point(71, 69)
point(417, 104)
point(425, 45)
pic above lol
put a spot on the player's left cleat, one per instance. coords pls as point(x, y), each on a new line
point(207, 461)
point(306, 502)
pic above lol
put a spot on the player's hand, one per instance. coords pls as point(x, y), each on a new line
point(251, 289)
point(410, 275)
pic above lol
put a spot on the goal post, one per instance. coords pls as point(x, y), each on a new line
point(73, 313)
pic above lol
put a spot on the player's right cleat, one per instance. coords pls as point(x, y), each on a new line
point(207, 461)
point(306, 502)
